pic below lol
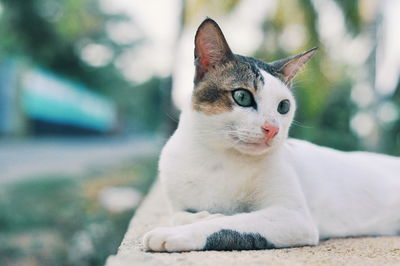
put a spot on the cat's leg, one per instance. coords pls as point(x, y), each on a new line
point(181, 218)
point(273, 227)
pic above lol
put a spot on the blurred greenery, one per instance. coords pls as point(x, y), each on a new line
point(57, 220)
point(51, 34)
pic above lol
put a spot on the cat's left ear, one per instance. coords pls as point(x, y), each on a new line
point(211, 48)
point(287, 68)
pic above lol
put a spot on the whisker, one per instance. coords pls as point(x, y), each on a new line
point(299, 124)
point(171, 117)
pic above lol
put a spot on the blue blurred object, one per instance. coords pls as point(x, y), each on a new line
point(8, 95)
point(35, 95)
point(52, 99)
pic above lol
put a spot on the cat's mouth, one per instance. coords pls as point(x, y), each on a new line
point(259, 144)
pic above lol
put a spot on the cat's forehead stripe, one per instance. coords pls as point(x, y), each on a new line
point(258, 77)
point(256, 67)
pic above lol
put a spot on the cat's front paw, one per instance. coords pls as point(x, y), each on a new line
point(181, 218)
point(172, 239)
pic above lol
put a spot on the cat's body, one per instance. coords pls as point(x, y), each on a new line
point(341, 189)
point(236, 181)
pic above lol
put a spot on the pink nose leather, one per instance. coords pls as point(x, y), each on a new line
point(269, 131)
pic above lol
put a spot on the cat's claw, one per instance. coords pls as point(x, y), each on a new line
point(171, 239)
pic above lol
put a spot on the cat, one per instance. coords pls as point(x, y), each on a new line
point(235, 180)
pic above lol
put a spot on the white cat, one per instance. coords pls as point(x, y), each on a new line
point(236, 182)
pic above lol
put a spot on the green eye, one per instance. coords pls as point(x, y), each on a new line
point(284, 107)
point(243, 97)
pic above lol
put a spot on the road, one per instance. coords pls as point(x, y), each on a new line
point(24, 159)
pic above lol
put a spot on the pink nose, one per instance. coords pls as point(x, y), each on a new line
point(269, 131)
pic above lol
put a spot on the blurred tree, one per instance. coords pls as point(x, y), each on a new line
point(49, 32)
point(352, 14)
point(391, 139)
point(53, 33)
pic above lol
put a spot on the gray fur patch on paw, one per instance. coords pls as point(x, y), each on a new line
point(232, 240)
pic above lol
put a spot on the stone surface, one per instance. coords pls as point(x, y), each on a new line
point(154, 212)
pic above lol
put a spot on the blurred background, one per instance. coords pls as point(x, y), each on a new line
point(91, 89)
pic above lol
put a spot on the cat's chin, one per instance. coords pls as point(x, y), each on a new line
point(257, 147)
point(254, 149)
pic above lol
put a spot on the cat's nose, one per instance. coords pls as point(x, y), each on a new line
point(270, 131)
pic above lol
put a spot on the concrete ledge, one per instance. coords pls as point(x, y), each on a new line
point(153, 212)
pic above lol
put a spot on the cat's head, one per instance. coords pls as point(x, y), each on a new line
point(238, 102)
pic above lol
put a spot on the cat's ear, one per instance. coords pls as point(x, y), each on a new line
point(287, 68)
point(211, 48)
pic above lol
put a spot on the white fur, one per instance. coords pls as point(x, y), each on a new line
point(293, 193)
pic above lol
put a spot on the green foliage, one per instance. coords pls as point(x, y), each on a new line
point(331, 126)
point(51, 33)
point(143, 104)
point(352, 15)
point(391, 141)
point(57, 220)
point(34, 198)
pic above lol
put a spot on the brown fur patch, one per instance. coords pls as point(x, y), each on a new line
point(212, 95)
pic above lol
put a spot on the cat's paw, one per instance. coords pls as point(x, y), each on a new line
point(172, 239)
point(181, 218)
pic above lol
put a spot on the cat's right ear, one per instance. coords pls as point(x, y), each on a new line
point(210, 49)
point(287, 68)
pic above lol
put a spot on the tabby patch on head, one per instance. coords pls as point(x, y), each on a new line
point(213, 94)
point(219, 72)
